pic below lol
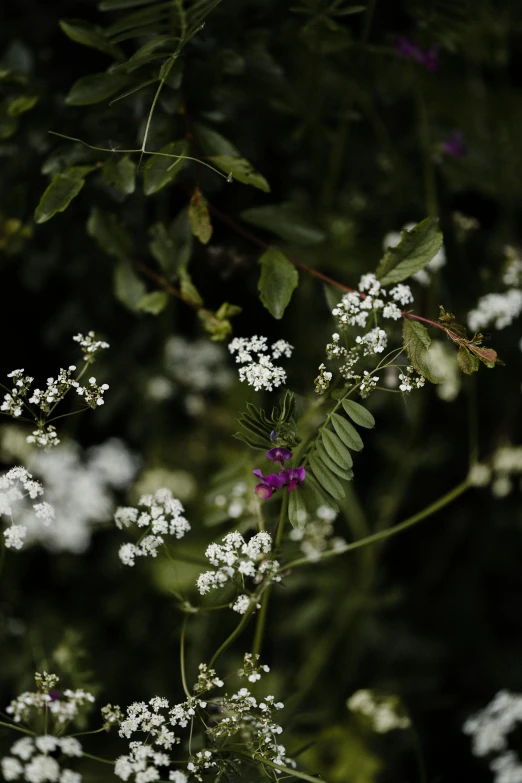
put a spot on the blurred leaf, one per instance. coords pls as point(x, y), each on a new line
point(88, 35)
point(213, 143)
point(95, 88)
point(278, 280)
point(199, 217)
point(285, 221)
point(162, 169)
point(128, 288)
point(359, 414)
point(416, 249)
point(297, 508)
point(153, 303)
point(111, 235)
point(188, 289)
point(21, 104)
point(120, 174)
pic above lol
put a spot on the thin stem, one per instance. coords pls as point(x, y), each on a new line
point(261, 618)
point(287, 770)
point(85, 733)
point(381, 535)
point(233, 636)
point(182, 657)
point(97, 758)
point(18, 728)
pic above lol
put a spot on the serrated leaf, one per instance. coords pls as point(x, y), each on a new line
point(277, 281)
point(336, 450)
point(252, 442)
point(468, 362)
point(241, 170)
point(487, 356)
point(88, 35)
point(416, 249)
point(21, 104)
point(347, 432)
point(199, 217)
point(154, 302)
point(328, 461)
point(95, 88)
point(359, 414)
point(327, 479)
point(128, 288)
point(62, 189)
point(416, 342)
point(161, 170)
point(285, 221)
point(120, 174)
point(297, 509)
point(111, 235)
point(323, 497)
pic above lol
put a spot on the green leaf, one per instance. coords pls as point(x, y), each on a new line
point(88, 35)
point(416, 342)
point(241, 170)
point(297, 509)
point(153, 303)
point(285, 221)
point(199, 217)
point(110, 234)
point(416, 249)
point(95, 88)
point(172, 248)
point(252, 442)
point(468, 362)
point(277, 281)
point(21, 104)
point(336, 449)
point(254, 427)
point(120, 174)
point(347, 432)
point(128, 288)
point(359, 414)
point(227, 310)
point(343, 473)
point(487, 356)
point(188, 289)
point(213, 143)
point(161, 170)
point(327, 480)
point(332, 295)
point(116, 5)
point(62, 189)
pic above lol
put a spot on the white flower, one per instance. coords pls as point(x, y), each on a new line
point(11, 768)
point(500, 310)
point(241, 604)
point(373, 342)
point(260, 372)
point(14, 536)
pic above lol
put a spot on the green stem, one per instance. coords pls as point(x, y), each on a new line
point(381, 535)
point(182, 657)
point(288, 770)
point(85, 733)
point(261, 618)
point(370, 10)
point(233, 636)
point(98, 758)
point(18, 728)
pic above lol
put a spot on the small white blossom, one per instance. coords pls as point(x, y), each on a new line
point(260, 371)
point(499, 310)
point(381, 712)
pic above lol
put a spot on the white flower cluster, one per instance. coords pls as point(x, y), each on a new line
point(31, 760)
point(197, 365)
point(382, 712)
point(63, 709)
point(506, 464)
point(489, 730)
point(355, 307)
point(89, 345)
point(423, 277)
point(80, 486)
point(162, 515)
point(410, 380)
point(368, 384)
point(252, 668)
point(235, 557)
point(316, 534)
point(499, 310)
point(259, 371)
point(15, 485)
point(234, 501)
point(373, 342)
point(243, 716)
point(512, 275)
point(322, 382)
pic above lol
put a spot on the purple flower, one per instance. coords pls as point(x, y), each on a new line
point(294, 477)
point(279, 454)
point(454, 145)
point(265, 489)
point(55, 695)
point(429, 58)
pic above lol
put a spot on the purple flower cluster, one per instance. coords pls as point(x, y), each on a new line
point(293, 477)
point(429, 58)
